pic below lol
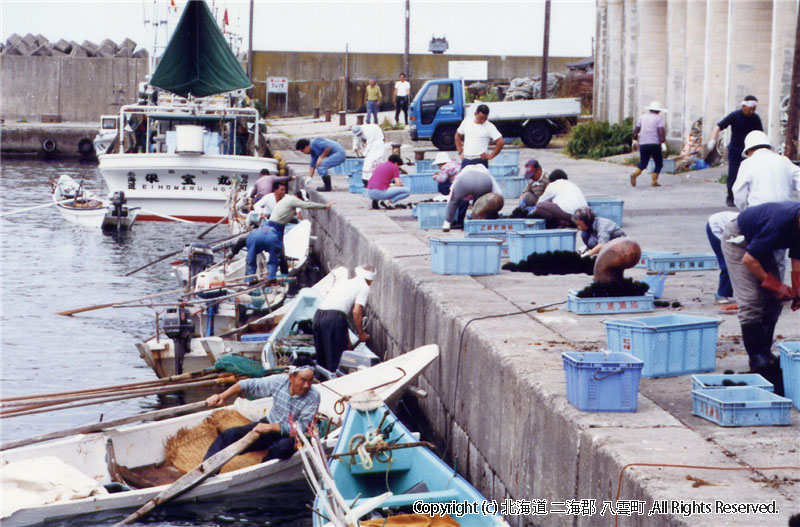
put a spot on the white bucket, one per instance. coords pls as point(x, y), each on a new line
point(210, 280)
point(189, 139)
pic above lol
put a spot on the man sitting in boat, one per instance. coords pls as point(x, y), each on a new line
point(325, 154)
point(292, 397)
point(330, 328)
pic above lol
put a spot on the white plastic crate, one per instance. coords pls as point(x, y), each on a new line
point(669, 345)
point(522, 244)
point(468, 256)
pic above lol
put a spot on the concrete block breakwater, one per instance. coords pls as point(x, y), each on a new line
point(39, 46)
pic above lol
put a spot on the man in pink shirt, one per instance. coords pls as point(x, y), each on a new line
point(385, 184)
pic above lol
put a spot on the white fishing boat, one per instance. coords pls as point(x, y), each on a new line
point(100, 456)
point(180, 155)
point(81, 207)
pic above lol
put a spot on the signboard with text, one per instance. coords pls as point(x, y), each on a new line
point(277, 84)
point(469, 70)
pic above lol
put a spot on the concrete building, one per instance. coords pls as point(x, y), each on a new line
point(699, 58)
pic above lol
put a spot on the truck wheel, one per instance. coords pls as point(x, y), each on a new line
point(444, 138)
point(536, 135)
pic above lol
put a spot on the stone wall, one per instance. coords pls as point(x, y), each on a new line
point(76, 89)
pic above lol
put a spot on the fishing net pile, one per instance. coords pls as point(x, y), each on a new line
point(554, 262)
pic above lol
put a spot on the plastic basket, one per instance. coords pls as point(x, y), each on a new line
point(503, 171)
point(468, 256)
point(502, 226)
point(424, 165)
point(350, 165)
point(511, 187)
point(714, 381)
point(600, 382)
point(430, 215)
point(668, 165)
point(682, 262)
point(522, 244)
point(356, 186)
point(656, 283)
point(790, 365)
point(506, 157)
point(610, 208)
point(422, 183)
point(741, 406)
point(643, 260)
point(609, 304)
point(255, 337)
point(669, 345)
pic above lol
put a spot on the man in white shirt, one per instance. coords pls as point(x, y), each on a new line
point(764, 176)
point(330, 327)
point(472, 138)
point(559, 201)
point(402, 94)
point(368, 141)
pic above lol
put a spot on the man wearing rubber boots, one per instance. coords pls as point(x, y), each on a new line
point(325, 154)
point(749, 244)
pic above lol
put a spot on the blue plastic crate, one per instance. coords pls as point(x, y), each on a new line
point(469, 256)
point(512, 187)
point(506, 157)
point(713, 381)
point(350, 165)
point(668, 165)
point(600, 382)
point(255, 337)
point(669, 345)
point(609, 305)
point(610, 208)
point(643, 260)
point(353, 188)
point(682, 262)
point(502, 226)
point(522, 244)
point(790, 365)
point(422, 183)
point(430, 215)
point(503, 247)
point(741, 406)
point(504, 171)
point(424, 165)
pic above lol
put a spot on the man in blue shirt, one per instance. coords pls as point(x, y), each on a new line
point(292, 397)
point(749, 244)
point(325, 154)
point(742, 122)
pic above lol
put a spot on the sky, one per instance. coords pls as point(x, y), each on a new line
point(471, 27)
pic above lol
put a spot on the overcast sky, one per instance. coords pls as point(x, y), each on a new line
point(472, 27)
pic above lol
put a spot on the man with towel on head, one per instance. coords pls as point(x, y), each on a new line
point(330, 327)
point(293, 397)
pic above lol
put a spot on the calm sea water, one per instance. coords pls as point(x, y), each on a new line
point(48, 265)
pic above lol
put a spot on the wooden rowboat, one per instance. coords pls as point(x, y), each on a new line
point(78, 206)
point(98, 455)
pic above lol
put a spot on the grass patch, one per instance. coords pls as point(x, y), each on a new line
point(598, 139)
point(388, 125)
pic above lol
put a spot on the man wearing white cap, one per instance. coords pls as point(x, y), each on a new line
point(742, 122)
point(764, 176)
point(368, 141)
point(650, 136)
point(330, 327)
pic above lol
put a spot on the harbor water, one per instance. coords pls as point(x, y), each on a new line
point(49, 265)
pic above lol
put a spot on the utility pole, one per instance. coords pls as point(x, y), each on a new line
point(406, 67)
point(250, 45)
point(793, 119)
point(545, 50)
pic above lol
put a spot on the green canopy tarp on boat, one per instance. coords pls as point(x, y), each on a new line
point(198, 60)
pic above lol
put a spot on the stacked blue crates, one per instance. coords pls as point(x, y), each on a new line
point(350, 165)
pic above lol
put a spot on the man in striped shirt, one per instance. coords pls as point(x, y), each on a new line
point(292, 397)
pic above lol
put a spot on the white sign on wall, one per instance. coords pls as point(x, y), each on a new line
point(277, 84)
point(469, 70)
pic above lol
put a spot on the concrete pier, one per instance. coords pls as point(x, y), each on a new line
point(497, 395)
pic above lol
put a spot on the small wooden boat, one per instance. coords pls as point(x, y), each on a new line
point(100, 455)
point(159, 352)
point(78, 206)
point(378, 466)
